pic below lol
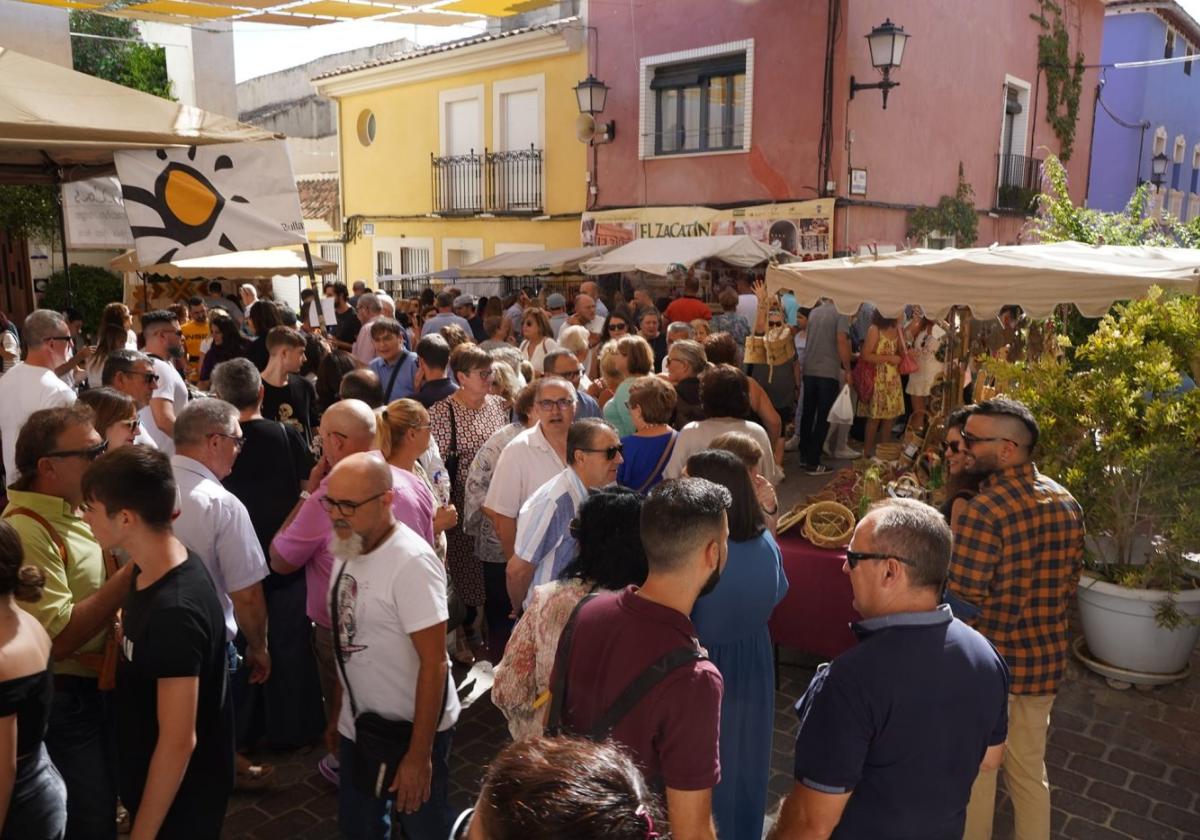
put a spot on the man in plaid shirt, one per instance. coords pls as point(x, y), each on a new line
point(1018, 551)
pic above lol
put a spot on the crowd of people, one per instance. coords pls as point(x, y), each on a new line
point(244, 526)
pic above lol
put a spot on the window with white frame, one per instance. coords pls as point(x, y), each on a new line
point(1177, 162)
point(334, 252)
point(1195, 185)
point(697, 101)
point(383, 263)
point(1160, 140)
point(1169, 45)
point(414, 260)
point(937, 241)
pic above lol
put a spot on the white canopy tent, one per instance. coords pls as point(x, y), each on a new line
point(60, 125)
point(236, 265)
point(660, 256)
point(1036, 277)
point(531, 263)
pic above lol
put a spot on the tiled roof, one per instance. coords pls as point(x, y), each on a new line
point(449, 46)
point(319, 199)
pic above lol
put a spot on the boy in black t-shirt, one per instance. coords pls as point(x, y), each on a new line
point(174, 718)
point(288, 397)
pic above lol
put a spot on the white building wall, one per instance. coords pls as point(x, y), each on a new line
point(39, 31)
point(199, 63)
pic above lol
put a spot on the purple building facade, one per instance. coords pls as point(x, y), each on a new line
point(1147, 111)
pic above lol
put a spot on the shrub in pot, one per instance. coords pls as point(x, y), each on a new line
point(1120, 424)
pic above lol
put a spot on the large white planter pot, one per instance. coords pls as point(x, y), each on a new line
point(1120, 628)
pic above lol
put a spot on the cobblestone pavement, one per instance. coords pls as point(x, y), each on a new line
point(1122, 764)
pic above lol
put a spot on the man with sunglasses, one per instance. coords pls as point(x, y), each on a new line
point(532, 458)
point(80, 598)
point(164, 344)
point(32, 385)
point(545, 544)
point(216, 526)
point(893, 731)
point(1018, 552)
point(132, 372)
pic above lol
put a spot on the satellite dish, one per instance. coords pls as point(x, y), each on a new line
point(585, 128)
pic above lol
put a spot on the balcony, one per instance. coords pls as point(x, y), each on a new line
point(502, 183)
point(1018, 182)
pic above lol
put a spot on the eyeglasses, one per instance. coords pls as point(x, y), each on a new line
point(484, 373)
point(346, 508)
point(614, 327)
point(91, 453)
point(610, 452)
point(550, 405)
point(969, 440)
point(570, 374)
point(853, 558)
point(57, 338)
point(238, 440)
point(671, 359)
point(421, 427)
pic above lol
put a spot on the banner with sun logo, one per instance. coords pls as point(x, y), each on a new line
point(203, 200)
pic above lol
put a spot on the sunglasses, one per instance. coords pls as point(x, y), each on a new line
point(550, 405)
point(91, 453)
point(610, 452)
point(853, 558)
point(238, 440)
point(132, 424)
point(969, 440)
point(775, 323)
point(346, 508)
point(570, 374)
point(952, 446)
point(614, 327)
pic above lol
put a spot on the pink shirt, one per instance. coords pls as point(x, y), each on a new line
point(364, 346)
point(305, 542)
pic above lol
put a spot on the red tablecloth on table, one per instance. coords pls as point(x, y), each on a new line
point(816, 614)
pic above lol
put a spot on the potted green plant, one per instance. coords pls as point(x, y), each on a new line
point(1120, 426)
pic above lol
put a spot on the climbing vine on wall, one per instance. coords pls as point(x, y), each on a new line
point(1064, 77)
point(954, 215)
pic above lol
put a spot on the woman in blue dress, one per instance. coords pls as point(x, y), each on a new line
point(731, 623)
point(647, 450)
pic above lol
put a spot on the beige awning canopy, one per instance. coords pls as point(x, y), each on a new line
point(530, 263)
point(1036, 277)
point(54, 118)
point(661, 255)
point(236, 265)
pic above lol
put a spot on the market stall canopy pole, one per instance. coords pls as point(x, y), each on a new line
point(236, 265)
point(1035, 277)
point(58, 125)
point(662, 255)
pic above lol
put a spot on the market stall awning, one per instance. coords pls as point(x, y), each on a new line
point(1036, 277)
point(52, 117)
point(236, 265)
point(531, 263)
point(661, 255)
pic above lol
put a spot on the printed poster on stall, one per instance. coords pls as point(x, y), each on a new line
point(802, 228)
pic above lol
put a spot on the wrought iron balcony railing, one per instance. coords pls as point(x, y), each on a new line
point(1018, 182)
point(494, 182)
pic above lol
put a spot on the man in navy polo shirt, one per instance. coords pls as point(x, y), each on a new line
point(894, 731)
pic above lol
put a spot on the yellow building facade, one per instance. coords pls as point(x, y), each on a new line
point(461, 152)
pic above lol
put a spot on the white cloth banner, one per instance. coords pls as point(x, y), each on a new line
point(204, 200)
point(95, 214)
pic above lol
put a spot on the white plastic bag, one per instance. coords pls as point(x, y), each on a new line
point(843, 408)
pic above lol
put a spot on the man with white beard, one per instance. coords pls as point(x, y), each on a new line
point(388, 605)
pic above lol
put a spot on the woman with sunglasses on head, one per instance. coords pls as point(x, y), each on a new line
point(116, 415)
point(731, 624)
point(609, 557)
point(461, 424)
point(960, 485)
point(563, 789)
point(114, 332)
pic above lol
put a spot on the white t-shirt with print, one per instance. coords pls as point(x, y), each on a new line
point(23, 390)
point(382, 598)
point(170, 387)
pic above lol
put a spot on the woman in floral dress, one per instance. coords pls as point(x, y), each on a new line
point(882, 349)
point(461, 424)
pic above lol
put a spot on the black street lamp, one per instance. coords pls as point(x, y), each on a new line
point(1158, 169)
point(887, 51)
point(592, 94)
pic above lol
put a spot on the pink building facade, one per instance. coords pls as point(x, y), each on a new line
point(727, 103)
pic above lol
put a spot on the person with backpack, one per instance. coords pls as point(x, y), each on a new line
point(629, 666)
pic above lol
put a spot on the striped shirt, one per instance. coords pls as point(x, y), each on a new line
point(544, 537)
point(1018, 552)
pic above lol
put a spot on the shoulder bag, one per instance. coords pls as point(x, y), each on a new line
point(662, 463)
point(379, 743)
point(639, 687)
point(908, 362)
point(450, 459)
point(104, 664)
point(387, 393)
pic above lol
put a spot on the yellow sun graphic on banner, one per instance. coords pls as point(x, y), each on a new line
point(186, 201)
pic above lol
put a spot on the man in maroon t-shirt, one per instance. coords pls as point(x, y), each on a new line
point(689, 307)
point(672, 732)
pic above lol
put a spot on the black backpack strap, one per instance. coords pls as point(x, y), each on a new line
point(658, 671)
point(387, 394)
point(562, 661)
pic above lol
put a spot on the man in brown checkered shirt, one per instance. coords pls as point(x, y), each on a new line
point(1018, 551)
